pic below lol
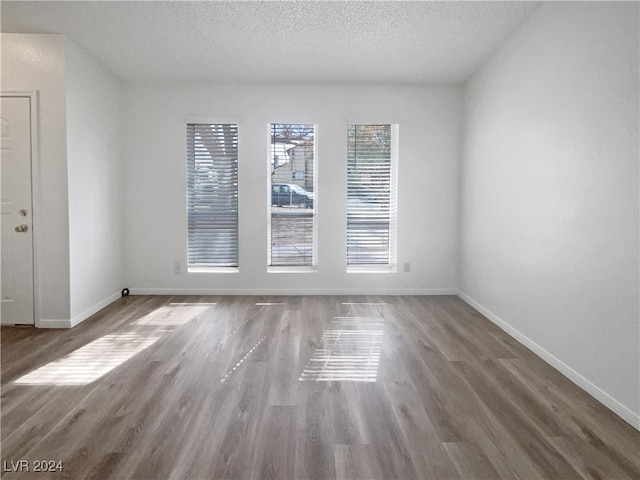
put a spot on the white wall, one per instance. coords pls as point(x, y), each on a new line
point(549, 199)
point(155, 151)
point(30, 63)
point(95, 183)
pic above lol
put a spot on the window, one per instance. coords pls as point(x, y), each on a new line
point(291, 191)
point(212, 195)
point(371, 194)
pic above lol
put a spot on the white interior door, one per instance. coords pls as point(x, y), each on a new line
point(17, 225)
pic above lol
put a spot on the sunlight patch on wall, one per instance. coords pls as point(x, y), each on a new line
point(90, 362)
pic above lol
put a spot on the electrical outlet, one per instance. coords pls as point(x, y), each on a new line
point(407, 267)
point(177, 266)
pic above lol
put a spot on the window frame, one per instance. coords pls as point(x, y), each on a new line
point(313, 268)
point(392, 266)
point(211, 120)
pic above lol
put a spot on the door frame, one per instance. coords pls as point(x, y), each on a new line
point(33, 97)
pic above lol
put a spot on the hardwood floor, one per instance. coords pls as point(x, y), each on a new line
point(296, 388)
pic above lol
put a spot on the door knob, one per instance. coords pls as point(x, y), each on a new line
point(22, 228)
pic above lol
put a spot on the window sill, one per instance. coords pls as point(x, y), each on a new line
point(371, 269)
point(292, 269)
point(213, 270)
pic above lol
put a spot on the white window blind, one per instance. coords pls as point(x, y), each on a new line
point(212, 195)
point(370, 195)
point(291, 191)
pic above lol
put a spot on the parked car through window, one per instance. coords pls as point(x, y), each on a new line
point(290, 195)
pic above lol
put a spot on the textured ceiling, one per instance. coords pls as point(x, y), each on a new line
point(297, 42)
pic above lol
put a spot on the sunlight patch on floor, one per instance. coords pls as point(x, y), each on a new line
point(173, 314)
point(364, 303)
point(239, 364)
point(359, 321)
point(350, 351)
point(90, 362)
point(191, 304)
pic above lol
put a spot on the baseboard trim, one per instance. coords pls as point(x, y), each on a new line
point(81, 317)
point(53, 323)
point(308, 291)
point(603, 397)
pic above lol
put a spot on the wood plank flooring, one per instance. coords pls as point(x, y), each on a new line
point(298, 388)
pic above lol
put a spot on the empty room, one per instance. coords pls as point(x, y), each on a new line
point(320, 240)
